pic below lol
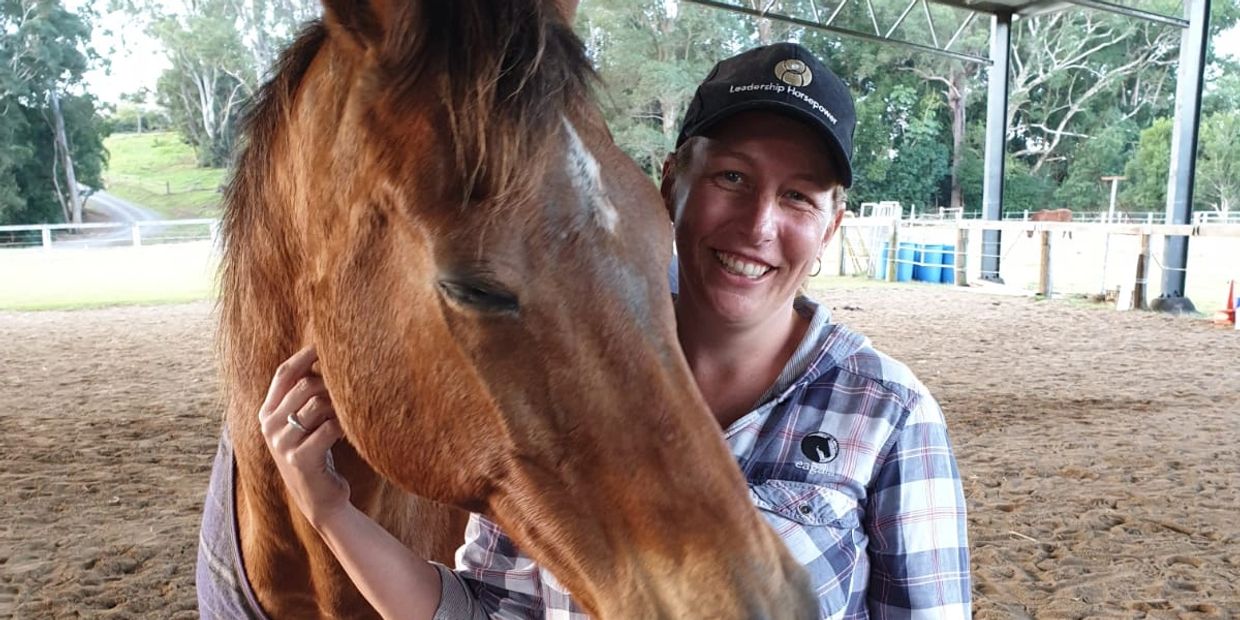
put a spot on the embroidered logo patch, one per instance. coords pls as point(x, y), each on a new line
point(793, 72)
point(820, 447)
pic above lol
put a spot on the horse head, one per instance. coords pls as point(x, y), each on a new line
point(430, 195)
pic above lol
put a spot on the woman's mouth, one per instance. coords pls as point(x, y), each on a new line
point(742, 266)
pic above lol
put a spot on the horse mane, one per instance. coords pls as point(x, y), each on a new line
point(509, 70)
point(504, 72)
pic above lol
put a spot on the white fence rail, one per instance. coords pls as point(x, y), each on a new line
point(104, 234)
point(1119, 217)
point(1050, 258)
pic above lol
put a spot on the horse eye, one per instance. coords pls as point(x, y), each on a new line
point(479, 296)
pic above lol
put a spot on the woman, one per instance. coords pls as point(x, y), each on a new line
point(845, 451)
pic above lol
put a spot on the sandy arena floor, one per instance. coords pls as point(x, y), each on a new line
point(1100, 451)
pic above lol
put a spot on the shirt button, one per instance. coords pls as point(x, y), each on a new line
point(805, 509)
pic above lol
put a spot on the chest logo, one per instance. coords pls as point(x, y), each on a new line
point(820, 447)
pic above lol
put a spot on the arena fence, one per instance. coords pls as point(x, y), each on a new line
point(51, 236)
point(1121, 262)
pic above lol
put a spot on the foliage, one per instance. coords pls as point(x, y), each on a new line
point(1218, 164)
point(900, 154)
point(1146, 187)
point(651, 54)
point(209, 79)
point(220, 51)
point(1102, 155)
point(43, 53)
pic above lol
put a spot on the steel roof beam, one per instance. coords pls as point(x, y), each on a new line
point(856, 34)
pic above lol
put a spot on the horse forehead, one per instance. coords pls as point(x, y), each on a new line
point(583, 172)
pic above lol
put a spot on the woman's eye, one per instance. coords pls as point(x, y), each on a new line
point(731, 176)
point(480, 297)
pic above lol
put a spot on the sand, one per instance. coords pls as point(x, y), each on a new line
point(1099, 452)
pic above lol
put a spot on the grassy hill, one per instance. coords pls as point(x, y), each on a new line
point(158, 171)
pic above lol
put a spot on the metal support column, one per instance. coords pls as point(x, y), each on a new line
point(996, 139)
point(1184, 155)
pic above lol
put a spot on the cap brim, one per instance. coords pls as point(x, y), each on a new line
point(836, 150)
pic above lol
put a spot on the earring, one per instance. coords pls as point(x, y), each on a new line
point(817, 267)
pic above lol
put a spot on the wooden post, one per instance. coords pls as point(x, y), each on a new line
point(47, 238)
point(137, 235)
point(843, 241)
point(1044, 279)
point(893, 250)
point(1140, 286)
point(962, 257)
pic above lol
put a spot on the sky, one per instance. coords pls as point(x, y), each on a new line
point(137, 60)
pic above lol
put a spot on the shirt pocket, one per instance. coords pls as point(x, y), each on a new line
point(806, 503)
point(821, 527)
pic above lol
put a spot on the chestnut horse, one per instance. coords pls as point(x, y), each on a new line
point(427, 192)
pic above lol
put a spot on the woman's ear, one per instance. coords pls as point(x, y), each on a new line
point(667, 186)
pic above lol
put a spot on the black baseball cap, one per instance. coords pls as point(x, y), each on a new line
point(784, 78)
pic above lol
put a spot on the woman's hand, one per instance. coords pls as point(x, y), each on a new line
point(300, 427)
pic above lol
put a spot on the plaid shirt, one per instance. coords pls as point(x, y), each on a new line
point(847, 458)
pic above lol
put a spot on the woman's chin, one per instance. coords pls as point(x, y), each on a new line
point(736, 309)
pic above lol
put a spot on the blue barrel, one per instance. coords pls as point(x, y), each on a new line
point(919, 258)
point(932, 270)
point(880, 262)
point(906, 253)
point(949, 265)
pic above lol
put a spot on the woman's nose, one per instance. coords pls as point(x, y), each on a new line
point(759, 225)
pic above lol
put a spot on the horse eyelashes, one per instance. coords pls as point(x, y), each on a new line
point(480, 297)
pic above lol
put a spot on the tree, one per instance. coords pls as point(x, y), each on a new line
point(50, 133)
point(1102, 155)
point(1217, 182)
point(1218, 164)
point(900, 153)
point(651, 55)
point(210, 78)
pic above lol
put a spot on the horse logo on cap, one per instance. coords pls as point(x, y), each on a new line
point(793, 72)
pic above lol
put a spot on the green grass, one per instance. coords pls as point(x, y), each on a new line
point(159, 172)
point(73, 279)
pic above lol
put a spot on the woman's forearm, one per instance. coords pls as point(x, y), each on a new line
point(397, 582)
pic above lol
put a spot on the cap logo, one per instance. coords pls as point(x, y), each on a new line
point(793, 72)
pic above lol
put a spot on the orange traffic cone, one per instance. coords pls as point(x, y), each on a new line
point(1231, 302)
point(1227, 318)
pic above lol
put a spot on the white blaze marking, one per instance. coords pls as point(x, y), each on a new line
point(583, 171)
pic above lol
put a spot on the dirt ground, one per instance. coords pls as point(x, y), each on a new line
point(1099, 452)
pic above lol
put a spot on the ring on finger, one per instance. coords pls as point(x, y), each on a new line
point(295, 423)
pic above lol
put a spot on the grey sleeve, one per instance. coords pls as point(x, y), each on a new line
point(456, 599)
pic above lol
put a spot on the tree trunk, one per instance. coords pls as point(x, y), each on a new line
point(956, 101)
point(66, 158)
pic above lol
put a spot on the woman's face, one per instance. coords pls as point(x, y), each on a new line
point(753, 209)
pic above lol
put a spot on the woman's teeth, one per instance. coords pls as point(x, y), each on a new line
point(742, 267)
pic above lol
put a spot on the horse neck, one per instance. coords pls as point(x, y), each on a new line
point(264, 319)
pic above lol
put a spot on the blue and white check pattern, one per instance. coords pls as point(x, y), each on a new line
point(880, 527)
